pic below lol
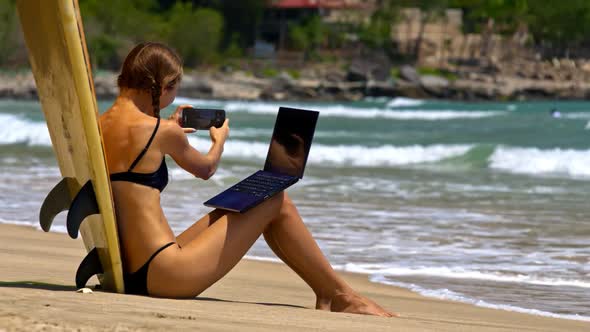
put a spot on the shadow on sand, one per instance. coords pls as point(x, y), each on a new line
point(65, 288)
point(245, 302)
point(36, 285)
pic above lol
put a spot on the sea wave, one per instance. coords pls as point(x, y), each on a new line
point(446, 294)
point(534, 161)
point(577, 115)
point(377, 276)
point(345, 155)
point(404, 102)
point(461, 273)
point(343, 111)
point(15, 129)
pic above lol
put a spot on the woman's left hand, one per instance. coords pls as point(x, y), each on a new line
point(177, 117)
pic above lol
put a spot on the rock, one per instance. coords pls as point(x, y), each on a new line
point(334, 76)
point(409, 74)
point(380, 89)
point(381, 73)
point(435, 85)
point(406, 89)
point(358, 72)
point(286, 77)
point(585, 67)
point(192, 84)
point(229, 90)
point(308, 83)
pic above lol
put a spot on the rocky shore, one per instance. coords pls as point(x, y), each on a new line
point(557, 79)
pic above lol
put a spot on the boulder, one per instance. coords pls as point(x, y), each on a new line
point(409, 74)
point(194, 86)
point(358, 72)
point(435, 85)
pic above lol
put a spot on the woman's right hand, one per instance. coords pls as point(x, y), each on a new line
point(220, 134)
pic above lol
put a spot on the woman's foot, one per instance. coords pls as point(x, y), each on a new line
point(352, 303)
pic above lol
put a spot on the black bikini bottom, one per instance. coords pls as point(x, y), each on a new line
point(136, 282)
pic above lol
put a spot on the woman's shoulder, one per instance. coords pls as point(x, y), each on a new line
point(172, 137)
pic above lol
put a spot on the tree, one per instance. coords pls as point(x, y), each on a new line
point(376, 33)
point(560, 25)
point(195, 33)
point(308, 35)
point(7, 30)
point(241, 19)
point(113, 26)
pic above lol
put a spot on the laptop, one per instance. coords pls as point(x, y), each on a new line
point(284, 166)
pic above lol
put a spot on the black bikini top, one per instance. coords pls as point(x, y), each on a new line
point(157, 179)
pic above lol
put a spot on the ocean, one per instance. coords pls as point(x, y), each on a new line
point(484, 203)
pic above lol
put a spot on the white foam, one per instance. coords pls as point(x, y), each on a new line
point(378, 276)
point(16, 130)
point(587, 125)
point(534, 161)
point(446, 294)
point(344, 111)
point(462, 273)
point(386, 155)
point(404, 102)
point(263, 259)
point(345, 155)
point(579, 115)
point(54, 228)
point(196, 102)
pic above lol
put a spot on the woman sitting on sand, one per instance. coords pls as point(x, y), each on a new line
point(158, 263)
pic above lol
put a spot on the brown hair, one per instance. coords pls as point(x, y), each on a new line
point(148, 67)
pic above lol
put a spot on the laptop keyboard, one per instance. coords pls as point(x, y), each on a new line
point(260, 184)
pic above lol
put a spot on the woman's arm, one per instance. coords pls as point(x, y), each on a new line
point(175, 143)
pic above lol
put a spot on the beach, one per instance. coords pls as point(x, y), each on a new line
point(37, 293)
point(481, 203)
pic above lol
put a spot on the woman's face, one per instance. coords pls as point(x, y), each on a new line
point(168, 94)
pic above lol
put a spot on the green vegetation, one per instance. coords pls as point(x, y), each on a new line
point(8, 25)
point(270, 72)
point(195, 33)
point(211, 32)
point(394, 72)
point(307, 36)
point(294, 73)
point(437, 72)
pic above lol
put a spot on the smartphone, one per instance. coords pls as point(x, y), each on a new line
point(202, 118)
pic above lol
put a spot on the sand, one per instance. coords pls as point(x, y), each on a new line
point(37, 293)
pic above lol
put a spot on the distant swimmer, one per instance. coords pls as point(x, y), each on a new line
point(555, 113)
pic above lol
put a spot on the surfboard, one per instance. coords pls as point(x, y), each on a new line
point(59, 60)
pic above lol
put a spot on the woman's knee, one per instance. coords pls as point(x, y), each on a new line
point(276, 202)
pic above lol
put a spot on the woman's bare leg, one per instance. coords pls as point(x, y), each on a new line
point(292, 242)
point(199, 226)
point(221, 240)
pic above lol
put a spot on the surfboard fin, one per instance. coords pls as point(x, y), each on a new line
point(58, 200)
point(90, 266)
point(83, 205)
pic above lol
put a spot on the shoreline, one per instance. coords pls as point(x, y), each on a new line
point(37, 290)
point(328, 85)
point(425, 292)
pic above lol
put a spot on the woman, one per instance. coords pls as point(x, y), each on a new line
point(158, 263)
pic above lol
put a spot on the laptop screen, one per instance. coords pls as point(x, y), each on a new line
point(291, 141)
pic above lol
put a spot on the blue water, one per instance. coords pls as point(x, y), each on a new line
point(484, 203)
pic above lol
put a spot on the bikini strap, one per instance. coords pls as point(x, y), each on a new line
point(146, 147)
point(157, 252)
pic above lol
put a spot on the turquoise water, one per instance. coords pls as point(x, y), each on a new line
point(484, 203)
